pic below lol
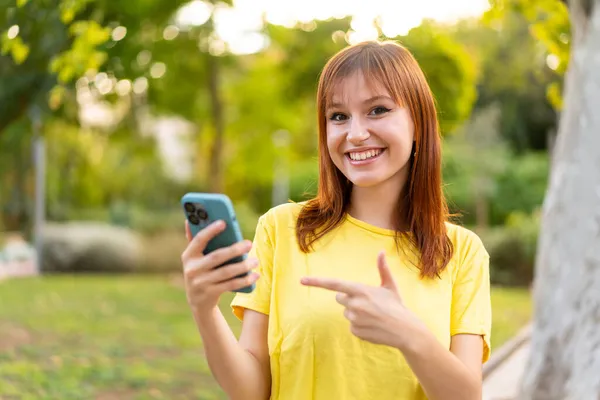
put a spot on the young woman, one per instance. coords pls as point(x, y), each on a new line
point(366, 291)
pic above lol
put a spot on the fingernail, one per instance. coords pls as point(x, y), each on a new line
point(303, 280)
point(219, 223)
point(254, 262)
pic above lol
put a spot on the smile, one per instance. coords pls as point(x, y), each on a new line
point(362, 156)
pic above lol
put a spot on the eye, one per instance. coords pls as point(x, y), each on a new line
point(379, 110)
point(338, 117)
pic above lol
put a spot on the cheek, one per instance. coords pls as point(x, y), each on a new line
point(334, 140)
point(399, 135)
point(403, 150)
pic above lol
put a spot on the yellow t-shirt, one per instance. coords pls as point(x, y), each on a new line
point(313, 354)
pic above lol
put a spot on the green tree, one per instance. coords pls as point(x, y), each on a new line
point(450, 71)
point(563, 360)
point(474, 157)
point(14, 188)
point(549, 25)
point(513, 74)
point(38, 69)
point(35, 66)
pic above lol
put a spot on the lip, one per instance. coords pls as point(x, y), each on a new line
point(361, 149)
point(368, 160)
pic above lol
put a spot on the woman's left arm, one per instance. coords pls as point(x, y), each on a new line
point(443, 374)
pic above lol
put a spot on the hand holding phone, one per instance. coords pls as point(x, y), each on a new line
point(215, 259)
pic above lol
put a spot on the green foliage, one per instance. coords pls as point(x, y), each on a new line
point(15, 193)
point(82, 56)
point(70, 8)
point(484, 182)
point(80, 42)
point(449, 69)
point(472, 160)
point(514, 76)
point(521, 187)
point(70, 51)
point(247, 217)
point(302, 53)
point(506, 184)
point(90, 170)
point(549, 24)
point(512, 249)
point(304, 179)
point(17, 49)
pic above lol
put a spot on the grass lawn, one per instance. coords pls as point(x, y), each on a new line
point(511, 310)
point(126, 337)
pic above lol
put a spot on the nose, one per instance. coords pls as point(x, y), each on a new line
point(358, 132)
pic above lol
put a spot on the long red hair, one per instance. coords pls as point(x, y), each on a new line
point(422, 206)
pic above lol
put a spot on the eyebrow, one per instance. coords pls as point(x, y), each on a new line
point(368, 101)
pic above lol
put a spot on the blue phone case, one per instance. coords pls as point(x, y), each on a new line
point(210, 207)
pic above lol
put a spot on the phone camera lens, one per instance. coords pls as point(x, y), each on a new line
point(194, 219)
point(202, 214)
point(189, 207)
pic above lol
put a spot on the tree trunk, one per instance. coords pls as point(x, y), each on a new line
point(215, 172)
point(565, 347)
point(15, 218)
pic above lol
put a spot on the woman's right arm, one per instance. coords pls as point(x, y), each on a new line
point(240, 367)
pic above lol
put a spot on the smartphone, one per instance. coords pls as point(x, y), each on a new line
point(201, 210)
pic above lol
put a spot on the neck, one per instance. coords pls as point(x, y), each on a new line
point(377, 205)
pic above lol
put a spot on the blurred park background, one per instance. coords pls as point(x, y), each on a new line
point(122, 107)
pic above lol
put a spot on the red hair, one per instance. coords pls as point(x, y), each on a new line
point(421, 206)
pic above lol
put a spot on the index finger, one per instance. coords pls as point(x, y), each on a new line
point(199, 242)
point(338, 285)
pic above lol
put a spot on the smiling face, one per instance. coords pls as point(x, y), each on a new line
point(389, 132)
point(369, 136)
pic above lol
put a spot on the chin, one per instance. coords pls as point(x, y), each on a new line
point(366, 181)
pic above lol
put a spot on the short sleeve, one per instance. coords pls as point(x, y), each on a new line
point(259, 299)
point(471, 301)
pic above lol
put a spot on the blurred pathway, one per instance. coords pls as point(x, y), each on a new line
point(503, 376)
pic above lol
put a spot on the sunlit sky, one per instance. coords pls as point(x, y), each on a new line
point(238, 26)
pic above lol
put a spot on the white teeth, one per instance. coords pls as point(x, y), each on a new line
point(365, 154)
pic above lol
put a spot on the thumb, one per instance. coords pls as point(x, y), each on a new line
point(387, 280)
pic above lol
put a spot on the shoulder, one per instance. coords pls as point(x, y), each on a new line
point(281, 219)
point(283, 213)
point(467, 244)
